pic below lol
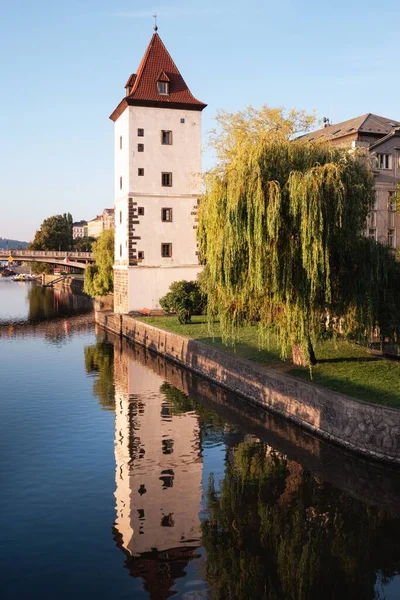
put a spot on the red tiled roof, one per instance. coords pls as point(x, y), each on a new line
point(157, 65)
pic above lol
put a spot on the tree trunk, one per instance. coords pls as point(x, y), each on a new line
point(299, 358)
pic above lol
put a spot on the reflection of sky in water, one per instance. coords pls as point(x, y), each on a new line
point(13, 299)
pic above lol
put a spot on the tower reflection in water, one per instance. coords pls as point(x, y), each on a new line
point(158, 478)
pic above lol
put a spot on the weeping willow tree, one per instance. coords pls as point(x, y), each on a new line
point(281, 235)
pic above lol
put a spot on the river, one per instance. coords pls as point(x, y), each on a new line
point(123, 476)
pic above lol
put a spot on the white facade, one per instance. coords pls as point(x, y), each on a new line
point(150, 277)
point(78, 231)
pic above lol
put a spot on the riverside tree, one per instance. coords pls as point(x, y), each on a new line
point(55, 233)
point(99, 278)
point(281, 235)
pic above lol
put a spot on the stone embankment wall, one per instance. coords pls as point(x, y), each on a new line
point(68, 283)
point(365, 428)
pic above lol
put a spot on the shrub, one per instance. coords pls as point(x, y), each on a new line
point(185, 299)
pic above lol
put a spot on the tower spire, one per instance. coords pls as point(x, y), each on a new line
point(155, 22)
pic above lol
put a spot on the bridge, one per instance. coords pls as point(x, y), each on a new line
point(78, 260)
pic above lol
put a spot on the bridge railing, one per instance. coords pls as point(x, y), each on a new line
point(47, 253)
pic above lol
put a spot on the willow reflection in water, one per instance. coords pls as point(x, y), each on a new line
point(271, 528)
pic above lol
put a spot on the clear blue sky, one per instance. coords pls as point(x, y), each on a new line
point(64, 66)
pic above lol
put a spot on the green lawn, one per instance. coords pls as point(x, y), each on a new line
point(343, 367)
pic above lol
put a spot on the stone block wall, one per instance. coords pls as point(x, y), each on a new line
point(369, 429)
point(121, 290)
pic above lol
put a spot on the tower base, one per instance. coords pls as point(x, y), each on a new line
point(137, 288)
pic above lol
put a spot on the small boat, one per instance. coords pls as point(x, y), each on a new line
point(23, 277)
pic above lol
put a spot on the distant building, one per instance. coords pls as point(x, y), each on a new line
point(79, 229)
point(108, 218)
point(95, 226)
point(381, 136)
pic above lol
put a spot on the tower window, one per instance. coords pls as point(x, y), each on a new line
point(166, 250)
point(140, 211)
point(140, 132)
point(140, 172)
point(166, 215)
point(120, 249)
point(166, 138)
point(120, 142)
point(120, 183)
point(166, 179)
point(120, 216)
point(141, 254)
point(163, 88)
point(140, 147)
point(182, 120)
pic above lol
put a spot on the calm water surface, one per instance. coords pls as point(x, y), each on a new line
point(123, 476)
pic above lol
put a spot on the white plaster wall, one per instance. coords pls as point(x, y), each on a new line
point(121, 156)
point(181, 232)
point(147, 285)
point(121, 230)
point(182, 158)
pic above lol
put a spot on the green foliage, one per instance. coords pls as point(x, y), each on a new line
point(8, 244)
point(55, 233)
point(277, 532)
point(99, 360)
point(99, 278)
point(37, 268)
point(181, 404)
point(281, 233)
point(185, 299)
point(83, 244)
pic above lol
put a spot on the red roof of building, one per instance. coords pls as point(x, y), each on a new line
point(157, 65)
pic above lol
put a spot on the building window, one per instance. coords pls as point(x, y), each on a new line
point(120, 183)
point(372, 234)
point(384, 161)
point(140, 211)
point(167, 446)
point(140, 132)
point(163, 88)
point(391, 218)
point(166, 215)
point(167, 520)
point(166, 137)
point(182, 120)
point(166, 250)
point(166, 179)
point(391, 201)
point(120, 216)
point(120, 142)
point(140, 147)
point(140, 172)
point(141, 254)
point(391, 238)
point(120, 249)
point(372, 219)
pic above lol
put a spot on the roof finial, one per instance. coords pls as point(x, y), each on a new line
point(155, 22)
